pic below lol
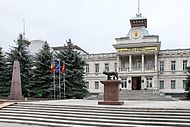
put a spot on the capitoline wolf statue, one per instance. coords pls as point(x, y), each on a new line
point(111, 75)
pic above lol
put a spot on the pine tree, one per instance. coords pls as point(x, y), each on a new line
point(74, 74)
point(21, 53)
point(4, 85)
point(188, 82)
point(40, 85)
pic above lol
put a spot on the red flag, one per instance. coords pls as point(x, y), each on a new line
point(52, 67)
point(63, 68)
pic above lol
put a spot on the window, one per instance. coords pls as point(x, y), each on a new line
point(87, 68)
point(185, 65)
point(161, 65)
point(124, 83)
point(149, 82)
point(115, 67)
point(161, 84)
point(172, 84)
point(184, 84)
point(107, 67)
point(96, 68)
point(173, 65)
point(96, 85)
point(87, 85)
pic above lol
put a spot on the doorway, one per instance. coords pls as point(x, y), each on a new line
point(136, 83)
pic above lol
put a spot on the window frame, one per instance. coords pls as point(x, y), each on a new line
point(161, 65)
point(106, 67)
point(173, 84)
point(87, 68)
point(161, 84)
point(87, 84)
point(96, 85)
point(97, 68)
point(185, 65)
point(124, 83)
point(173, 65)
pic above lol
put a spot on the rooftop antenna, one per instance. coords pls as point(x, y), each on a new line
point(138, 14)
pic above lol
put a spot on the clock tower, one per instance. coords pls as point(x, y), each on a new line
point(138, 27)
point(137, 55)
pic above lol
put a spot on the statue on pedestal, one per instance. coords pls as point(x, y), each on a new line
point(113, 74)
point(111, 89)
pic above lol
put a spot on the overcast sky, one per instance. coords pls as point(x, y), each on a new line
point(93, 24)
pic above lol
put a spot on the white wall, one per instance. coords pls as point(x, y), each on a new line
point(35, 46)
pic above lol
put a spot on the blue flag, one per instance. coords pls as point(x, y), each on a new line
point(58, 68)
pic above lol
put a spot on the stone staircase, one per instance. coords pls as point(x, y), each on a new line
point(150, 95)
point(143, 95)
point(92, 116)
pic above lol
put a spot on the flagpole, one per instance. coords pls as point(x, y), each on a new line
point(64, 85)
point(54, 84)
point(63, 72)
point(59, 82)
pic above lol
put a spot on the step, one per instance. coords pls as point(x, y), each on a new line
point(92, 116)
point(38, 123)
point(93, 122)
point(105, 107)
point(99, 111)
point(97, 117)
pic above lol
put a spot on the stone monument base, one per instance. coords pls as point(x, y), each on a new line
point(16, 97)
point(110, 102)
point(111, 93)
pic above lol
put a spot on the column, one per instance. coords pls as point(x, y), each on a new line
point(118, 64)
point(156, 61)
point(142, 62)
point(129, 83)
point(143, 82)
point(130, 62)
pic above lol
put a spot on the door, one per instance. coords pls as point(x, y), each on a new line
point(136, 83)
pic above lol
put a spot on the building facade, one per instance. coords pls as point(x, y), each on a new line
point(140, 63)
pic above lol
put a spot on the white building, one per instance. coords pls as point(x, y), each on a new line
point(35, 46)
point(138, 60)
point(140, 63)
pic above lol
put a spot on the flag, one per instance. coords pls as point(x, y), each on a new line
point(58, 67)
point(63, 68)
point(52, 67)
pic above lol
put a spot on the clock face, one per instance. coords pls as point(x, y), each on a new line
point(136, 33)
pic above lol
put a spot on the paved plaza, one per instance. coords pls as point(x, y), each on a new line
point(129, 104)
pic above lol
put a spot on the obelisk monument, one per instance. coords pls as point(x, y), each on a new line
point(16, 89)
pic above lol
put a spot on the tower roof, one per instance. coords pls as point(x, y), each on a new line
point(138, 21)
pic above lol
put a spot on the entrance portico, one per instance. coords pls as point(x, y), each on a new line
point(137, 62)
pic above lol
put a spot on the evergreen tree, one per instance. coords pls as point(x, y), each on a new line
point(21, 53)
point(188, 82)
point(74, 74)
point(40, 85)
point(4, 85)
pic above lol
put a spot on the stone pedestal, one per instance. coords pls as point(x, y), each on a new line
point(16, 89)
point(111, 93)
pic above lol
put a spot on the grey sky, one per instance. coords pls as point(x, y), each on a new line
point(93, 24)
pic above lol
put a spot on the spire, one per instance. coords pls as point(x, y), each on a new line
point(138, 13)
point(138, 21)
point(23, 28)
point(25, 40)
